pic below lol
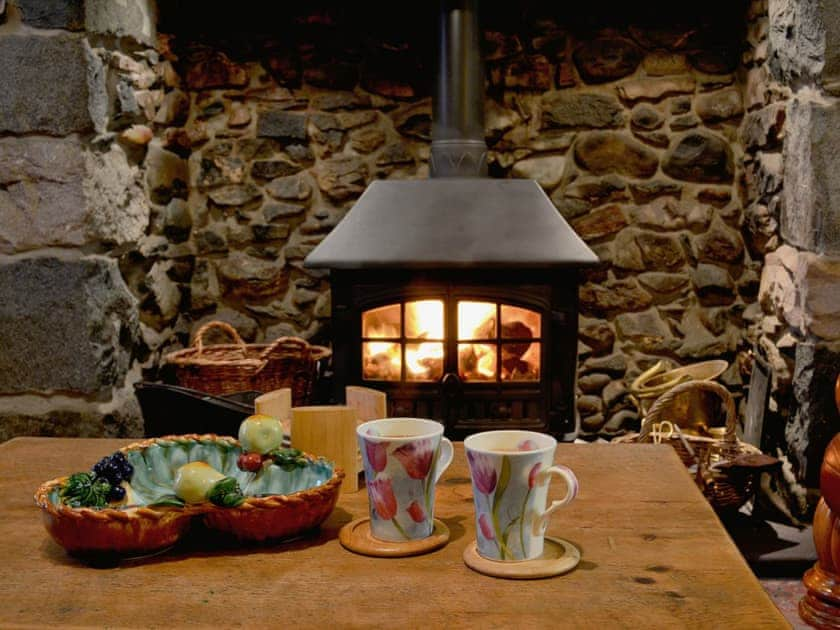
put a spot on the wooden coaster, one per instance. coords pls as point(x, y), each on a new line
point(559, 556)
point(356, 537)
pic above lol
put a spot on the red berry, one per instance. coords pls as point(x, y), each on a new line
point(251, 462)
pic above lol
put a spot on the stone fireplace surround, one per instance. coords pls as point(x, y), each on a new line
point(160, 168)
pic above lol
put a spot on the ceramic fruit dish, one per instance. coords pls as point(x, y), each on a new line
point(144, 497)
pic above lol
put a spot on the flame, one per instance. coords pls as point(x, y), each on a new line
point(420, 338)
point(476, 320)
point(424, 361)
point(424, 319)
point(477, 361)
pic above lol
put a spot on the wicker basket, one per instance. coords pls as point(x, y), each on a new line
point(726, 487)
point(227, 368)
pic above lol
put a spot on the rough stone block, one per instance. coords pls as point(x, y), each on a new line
point(66, 14)
point(810, 217)
point(278, 123)
point(645, 329)
point(699, 156)
point(121, 418)
point(56, 98)
point(814, 420)
point(547, 171)
point(830, 14)
point(117, 208)
point(804, 41)
point(53, 193)
point(817, 279)
point(764, 128)
point(127, 18)
point(65, 325)
point(565, 110)
point(41, 199)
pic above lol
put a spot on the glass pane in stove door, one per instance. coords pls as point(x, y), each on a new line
point(381, 361)
point(424, 319)
point(519, 323)
point(477, 362)
point(423, 361)
point(382, 322)
point(476, 320)
point(520, 361)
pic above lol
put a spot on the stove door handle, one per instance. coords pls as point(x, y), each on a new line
point(451, 384)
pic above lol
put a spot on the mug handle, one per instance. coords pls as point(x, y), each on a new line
point(572, 488)
point(444, 458)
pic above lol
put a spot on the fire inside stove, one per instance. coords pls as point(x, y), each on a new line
point(407, 341)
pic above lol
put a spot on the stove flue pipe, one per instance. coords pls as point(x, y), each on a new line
point(458, 145)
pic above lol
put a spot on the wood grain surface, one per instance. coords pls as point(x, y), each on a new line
point(654, 556)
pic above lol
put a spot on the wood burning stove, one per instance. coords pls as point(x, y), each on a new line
point(458, 295)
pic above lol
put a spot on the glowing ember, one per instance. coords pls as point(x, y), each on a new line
point(477, 362)
point(423, 361)
point(381, 360)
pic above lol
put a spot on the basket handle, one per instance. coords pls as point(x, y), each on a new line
point(665, 399)
point(316, 353)
point(298, 344)
point(198, 340)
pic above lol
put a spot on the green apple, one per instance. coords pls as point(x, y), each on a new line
point(194, 480)
point(260, 434)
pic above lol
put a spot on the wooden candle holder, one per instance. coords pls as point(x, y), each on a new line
point(329, 431)
point(370, 404)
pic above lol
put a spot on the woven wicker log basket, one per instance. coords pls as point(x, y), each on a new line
point(726, 488)
point(235, 367)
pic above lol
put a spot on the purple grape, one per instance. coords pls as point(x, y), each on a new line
point(117, 493)
point(114, 468)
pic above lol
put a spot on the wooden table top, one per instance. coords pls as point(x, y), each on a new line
point(654, 555)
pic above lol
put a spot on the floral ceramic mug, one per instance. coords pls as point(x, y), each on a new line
point(403, 459)
point(510, 472)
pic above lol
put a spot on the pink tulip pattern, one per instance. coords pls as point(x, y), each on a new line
point(483, 472)
point(384, 501)
point(377, 455)
point(487, 481)
point(418, 458)
point(416, 512)
point(485, 527)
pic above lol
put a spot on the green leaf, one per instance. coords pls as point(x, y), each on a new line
point(226, 493)
point(85, 490)
point(167, 500)
point(430, 482)
point(501, 486)
point(288, 458)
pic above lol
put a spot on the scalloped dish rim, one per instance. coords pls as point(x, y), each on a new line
point(61, 517)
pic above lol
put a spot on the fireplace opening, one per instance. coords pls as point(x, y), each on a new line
point(407, 341)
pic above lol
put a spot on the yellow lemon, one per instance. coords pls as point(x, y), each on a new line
point(194, 480)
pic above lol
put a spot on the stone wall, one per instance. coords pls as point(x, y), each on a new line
point(259, 146)
point(71, 198)
point(794, 219)
point(205, 170)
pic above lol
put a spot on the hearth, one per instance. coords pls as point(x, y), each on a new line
point(458, 295)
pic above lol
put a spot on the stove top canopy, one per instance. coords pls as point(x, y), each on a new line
point(452, 222)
